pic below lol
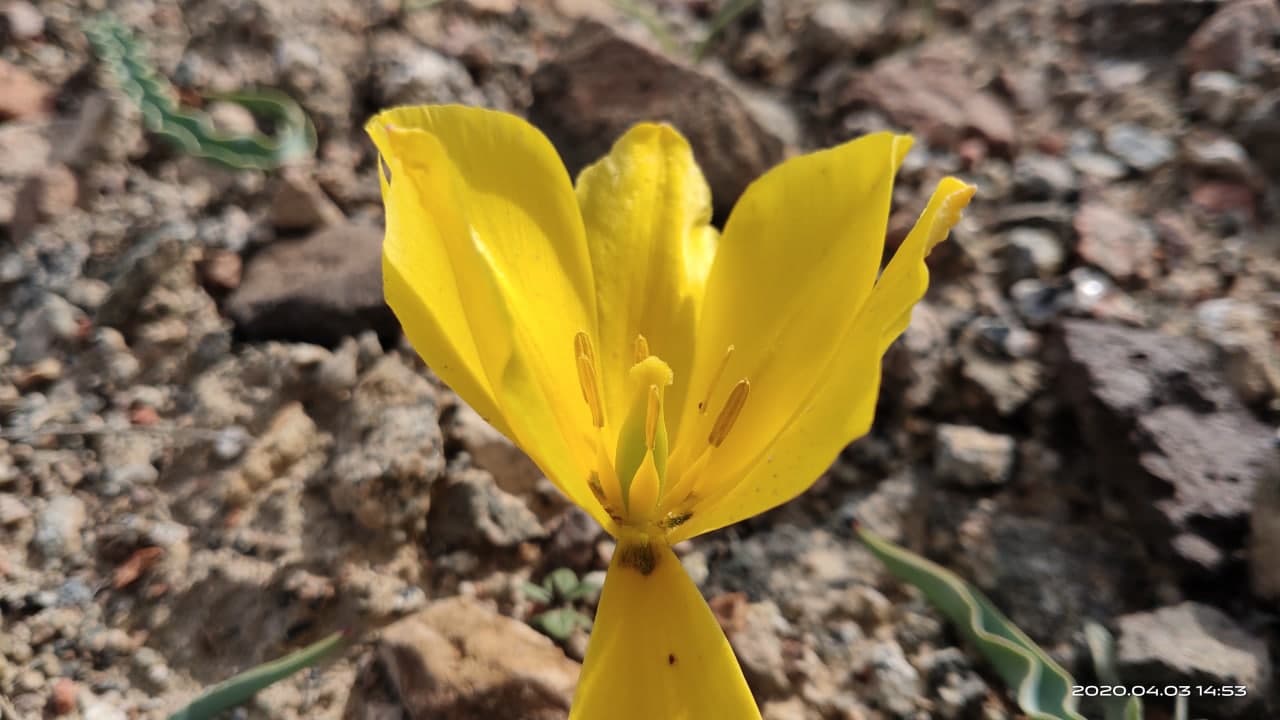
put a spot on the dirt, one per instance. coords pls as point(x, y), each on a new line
point(215, 446)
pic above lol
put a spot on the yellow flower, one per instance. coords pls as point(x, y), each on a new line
point(668, 379)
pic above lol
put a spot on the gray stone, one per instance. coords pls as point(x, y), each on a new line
point(913, 364)
point(1169, 436)
point(1043, 177)
point(758, 646)
point(20, 21)
point(972, 457)
point(1216, 95)
point(995, 381)
point(838, 29)
point(389, 450)
point(407, 73)
point(490, 450)
point(52, 323)
point(1047, 576)
point(1218, 156)
point(1198, 645)
point(959, 688)
point(1031, 252)
point(230, 443)
point(469, 510)
point(58, 527)
point(892, 683)
point(1142, 149)
point(121, 479)
point(1242, 335)
point(573, 540)
point(1099, 166)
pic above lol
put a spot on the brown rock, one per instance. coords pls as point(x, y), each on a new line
point(1236, 39)
point(63, 697)
point(1170, 438)
point(220, 271)
point(1225, 196)
point(1115, 241)
point(458, 659)
point(300, 204)
point(1196, 644)
point(730, 610)
point(22, 96)
point(25, 147)
point(319, 289)
point(1264, 538)
point(601, 84)
point(930, 94)
point(47, 194)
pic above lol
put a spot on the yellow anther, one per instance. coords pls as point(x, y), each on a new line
point(715, 379)
point(641, 348)
point(651, 416)
point(729, 414)
point(582, 346)
point(587, 377)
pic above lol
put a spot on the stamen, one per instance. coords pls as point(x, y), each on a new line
point(582, 346)
point(729, 414)
point(715, 379)
point(651, 417)
point(593, 482)
point(641, 348)
point(587, 377)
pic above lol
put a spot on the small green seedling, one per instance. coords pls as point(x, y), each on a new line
point(293, 139)
point(559, 590)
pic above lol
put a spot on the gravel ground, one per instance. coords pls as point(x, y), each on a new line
point(215, 447)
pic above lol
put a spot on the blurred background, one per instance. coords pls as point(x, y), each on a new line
point(215, 447)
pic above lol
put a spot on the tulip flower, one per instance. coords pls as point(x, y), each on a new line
point(668, 378)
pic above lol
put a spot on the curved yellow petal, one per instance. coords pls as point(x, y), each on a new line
point(840, 409)
point(799, 256)
point(647, 211)
point(486, 266)
point(656, 651)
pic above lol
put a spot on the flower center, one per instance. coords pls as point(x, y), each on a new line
point(633, 479)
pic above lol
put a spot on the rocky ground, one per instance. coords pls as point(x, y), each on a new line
point(215, 448)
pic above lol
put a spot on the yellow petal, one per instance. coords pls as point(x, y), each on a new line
point(656, 651)
point(646, 208)
point(906, 278)
point(840, 409)
point(799, 256)
point(487, 268)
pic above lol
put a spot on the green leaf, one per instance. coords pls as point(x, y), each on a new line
point(537, 593)
point(1102, 649)
point(192, 132)
point(560, 622)
point(236, 691)
point(563, 581)
point(584, 589)
point(1040, 686)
